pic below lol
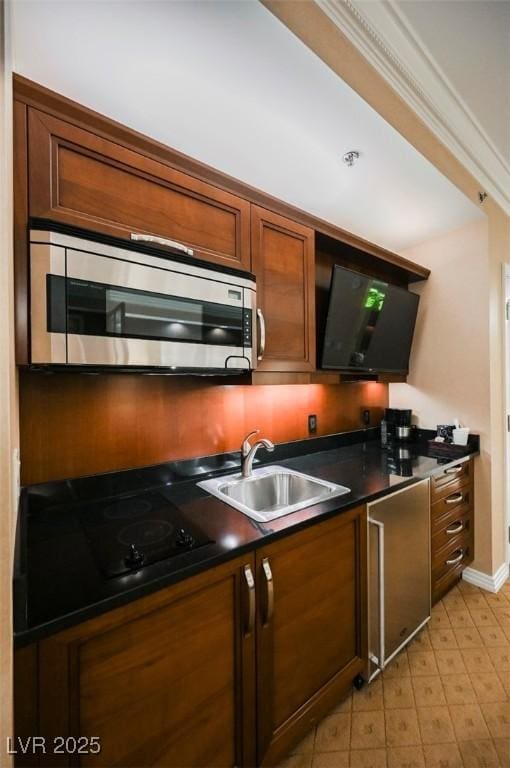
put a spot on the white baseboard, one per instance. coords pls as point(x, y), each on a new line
point(490, 583)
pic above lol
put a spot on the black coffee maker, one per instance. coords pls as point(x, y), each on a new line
point(396, 426)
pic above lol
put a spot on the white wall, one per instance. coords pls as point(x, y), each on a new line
point(8, 393)
point(450, 362)
point(450, 357)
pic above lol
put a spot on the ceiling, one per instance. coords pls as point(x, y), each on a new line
point(470, 42)
point(450, 62)
point(227, 83)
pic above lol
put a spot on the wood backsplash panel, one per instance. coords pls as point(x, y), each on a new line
point(76, 424)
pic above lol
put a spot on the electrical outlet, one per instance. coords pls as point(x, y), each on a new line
point(312, 424)
point(366, 417)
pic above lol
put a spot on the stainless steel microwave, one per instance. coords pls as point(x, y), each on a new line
point(99, 302)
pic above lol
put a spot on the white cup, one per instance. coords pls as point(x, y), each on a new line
point(460, 435)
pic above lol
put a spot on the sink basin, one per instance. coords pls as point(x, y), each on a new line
point(271, 492)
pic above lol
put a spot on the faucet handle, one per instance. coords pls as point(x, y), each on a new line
point(246, 447)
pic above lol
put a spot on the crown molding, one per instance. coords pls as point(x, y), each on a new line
point(379, 30)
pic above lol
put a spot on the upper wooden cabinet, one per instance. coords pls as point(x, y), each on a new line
point(77, 167)
point(283, 261)
point(77, 177)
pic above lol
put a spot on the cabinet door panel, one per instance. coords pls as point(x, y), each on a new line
point(158, 695)
point(283, 261)
point(313, 647)
point(77, 177)
point(172, 687)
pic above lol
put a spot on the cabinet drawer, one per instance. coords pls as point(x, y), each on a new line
point(77, 177)
point(457, 502)
point(442, 584)
point(457, 553)
point(449, 564)
point(456, 524)
point(450, 480)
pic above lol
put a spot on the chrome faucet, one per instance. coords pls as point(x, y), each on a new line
point(248, 452)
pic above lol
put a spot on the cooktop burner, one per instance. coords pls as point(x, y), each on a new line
point(145, 533)
point(136, 531)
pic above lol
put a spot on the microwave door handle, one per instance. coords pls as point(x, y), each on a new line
point(262, 341)
point(380, 578)
point(140, 237)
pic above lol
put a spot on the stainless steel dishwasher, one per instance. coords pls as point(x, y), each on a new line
point(399, 594)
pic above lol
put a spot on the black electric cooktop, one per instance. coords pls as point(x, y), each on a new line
point(131, 532)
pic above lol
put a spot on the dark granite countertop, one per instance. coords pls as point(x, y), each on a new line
point(58, 584)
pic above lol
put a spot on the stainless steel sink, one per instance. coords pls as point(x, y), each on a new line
point(271, 492)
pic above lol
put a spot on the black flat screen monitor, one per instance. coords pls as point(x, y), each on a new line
point(369, 324)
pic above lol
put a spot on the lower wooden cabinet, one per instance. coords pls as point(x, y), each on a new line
point(228, 668)
point(311, 642)
point(452, 526)
point(165, 681)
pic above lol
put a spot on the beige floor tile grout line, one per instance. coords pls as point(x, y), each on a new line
point(456, 674)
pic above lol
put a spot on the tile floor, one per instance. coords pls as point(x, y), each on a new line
point(443, 703)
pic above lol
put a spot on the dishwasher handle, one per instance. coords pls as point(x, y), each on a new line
point(380, 662)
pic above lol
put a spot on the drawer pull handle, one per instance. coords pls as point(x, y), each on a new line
point(162, 241)
point(268, 576)
point(455, 529)
point(454, 470)
point(250, 583)
point(454, 499)
point(457, 559)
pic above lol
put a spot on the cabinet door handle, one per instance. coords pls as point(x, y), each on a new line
point(262, 341)
point(457, 559)
point(454, 498)
point(250, 583)
point(381, 663)
point(455, 528)
point(268, 576)
point(162, 241)
point(454, 470)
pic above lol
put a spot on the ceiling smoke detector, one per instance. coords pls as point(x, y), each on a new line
point(350, 157)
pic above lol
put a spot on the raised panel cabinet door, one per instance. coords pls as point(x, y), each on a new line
point(167, 683)
point(79, 178)
point(283, 262)
point(311, 632)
